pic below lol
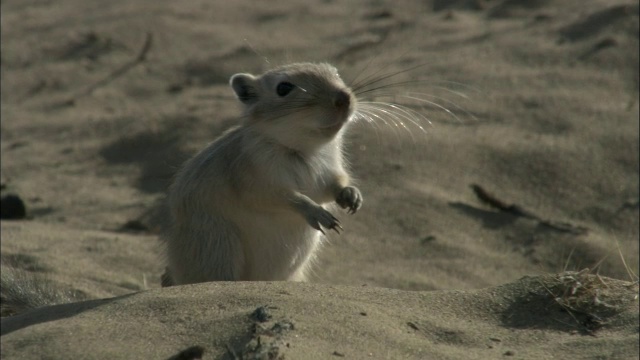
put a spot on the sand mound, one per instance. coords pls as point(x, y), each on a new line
point(305, 321)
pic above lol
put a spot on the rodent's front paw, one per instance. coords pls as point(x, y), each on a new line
point(322, 218)
point(350, 197)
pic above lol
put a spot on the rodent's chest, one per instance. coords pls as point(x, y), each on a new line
point(311, 176)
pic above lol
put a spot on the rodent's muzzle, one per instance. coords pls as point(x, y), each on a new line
point(342, 100)
point(342, 108)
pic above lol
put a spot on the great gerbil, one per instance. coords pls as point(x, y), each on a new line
point(253, 204)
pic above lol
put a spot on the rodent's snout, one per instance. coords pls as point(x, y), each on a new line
point(342, 99)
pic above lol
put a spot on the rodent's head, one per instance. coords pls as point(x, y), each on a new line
point(301, 105)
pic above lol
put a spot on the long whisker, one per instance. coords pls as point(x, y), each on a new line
point(400, 112)
point(466, 86)
point(353, 81)
point(403, 112)
point(369, 115)
point(387, 86)
point(398, 120)
point(434, 104)
point(362, 115)
point(356, 87)
point(441, 99)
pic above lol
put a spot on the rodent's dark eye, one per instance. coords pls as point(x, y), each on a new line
point(284, 88)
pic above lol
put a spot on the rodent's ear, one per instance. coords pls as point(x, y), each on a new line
point(245, 87)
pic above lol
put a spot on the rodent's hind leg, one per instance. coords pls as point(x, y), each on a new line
point(166, 280)
point(299, 276)
point(208, 248)
point(304, 269)
point(350, 197)
point(316, 216)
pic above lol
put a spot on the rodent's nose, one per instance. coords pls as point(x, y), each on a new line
point(342, 99)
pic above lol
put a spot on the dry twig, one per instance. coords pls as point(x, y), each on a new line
point(142, 56)
point(517, 210)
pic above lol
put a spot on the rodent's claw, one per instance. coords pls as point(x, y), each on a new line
point(323, 218)
point(318, 227)
point(337, 228)
point(351, 198)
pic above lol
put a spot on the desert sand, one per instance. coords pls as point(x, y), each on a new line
point(474, 233)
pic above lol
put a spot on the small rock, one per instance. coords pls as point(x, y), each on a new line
point(12, 207)
point(261, 314)
point(191, 353)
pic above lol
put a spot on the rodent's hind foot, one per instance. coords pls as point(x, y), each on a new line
point(351, 198)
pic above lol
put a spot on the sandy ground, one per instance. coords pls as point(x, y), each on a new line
point(533, 109)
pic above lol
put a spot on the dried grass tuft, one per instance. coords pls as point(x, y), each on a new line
point(589, 298)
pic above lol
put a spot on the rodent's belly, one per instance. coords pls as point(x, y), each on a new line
point(275, 244)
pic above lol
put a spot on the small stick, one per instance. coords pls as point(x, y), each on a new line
point(494, 202)
point(142, 56)
point(516, 210)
